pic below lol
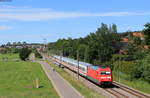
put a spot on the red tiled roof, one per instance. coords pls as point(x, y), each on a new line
point(125, 40)
point(137, 34)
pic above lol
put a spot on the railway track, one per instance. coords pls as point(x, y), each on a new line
point(116, 93)
point(121, 91)
point(131, 91)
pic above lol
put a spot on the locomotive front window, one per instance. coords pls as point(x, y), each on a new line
point(105, 73)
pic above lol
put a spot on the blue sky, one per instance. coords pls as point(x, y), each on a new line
point(34, 20)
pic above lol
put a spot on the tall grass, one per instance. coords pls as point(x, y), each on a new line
point(136, 84)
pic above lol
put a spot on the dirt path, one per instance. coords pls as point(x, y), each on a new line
point(64, 89)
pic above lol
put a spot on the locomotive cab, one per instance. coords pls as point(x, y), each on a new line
point(105, 75)
point(101, 75)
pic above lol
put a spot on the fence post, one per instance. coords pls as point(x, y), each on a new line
point(37, 83)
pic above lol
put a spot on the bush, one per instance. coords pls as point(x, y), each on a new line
point(136, 72)
point(142, 69)
point(24, 53)
point(146, 68)
point(124, 66)
point(37, 54)
point(146, 74)
point(15, 50)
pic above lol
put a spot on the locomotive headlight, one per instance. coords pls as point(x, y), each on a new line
point(107, 72)
point(108, 77)
point(103, 77)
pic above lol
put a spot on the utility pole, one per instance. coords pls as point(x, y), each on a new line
point(60, 53)
point(78, 62)
point(44, 44)
point(119, 68)
point(43, 48)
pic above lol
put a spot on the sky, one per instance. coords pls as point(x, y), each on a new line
point(35, 20)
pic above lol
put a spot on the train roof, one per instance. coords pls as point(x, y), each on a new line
point(94, 67)
point(80, 62)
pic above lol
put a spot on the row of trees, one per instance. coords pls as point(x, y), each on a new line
point(96, 48)
point(15, 43)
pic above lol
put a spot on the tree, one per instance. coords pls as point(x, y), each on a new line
point(24, 43)
point(104, 41)
point(82, 49)
point(37, 54)
point(147, 33)
point(135, 47)
point(24, 53)
point(8, 44)
point(146, 67)
point(14, 43)
point(18, 43)
point(4, 50)
point(14, 50)
point(142, 69)
point(114, 28)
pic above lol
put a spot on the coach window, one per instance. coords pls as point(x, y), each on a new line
point(103, 73)
point(83, 69)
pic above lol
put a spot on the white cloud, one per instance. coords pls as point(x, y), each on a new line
point(53, 15)
point(37, 14)
point(5, 27)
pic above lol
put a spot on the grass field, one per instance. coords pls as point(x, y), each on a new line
point(137, 84)
point(17, 80)
point(78, 85)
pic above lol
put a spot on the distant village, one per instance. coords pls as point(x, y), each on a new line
point(20, 45)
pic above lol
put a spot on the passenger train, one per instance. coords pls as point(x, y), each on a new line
point(101, 75)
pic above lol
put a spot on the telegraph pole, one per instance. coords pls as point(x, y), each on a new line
point(61, 57)
point(44, 44)
point(119, 68)
point(43, 48)
point(78, 62)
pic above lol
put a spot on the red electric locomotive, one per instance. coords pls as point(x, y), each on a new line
point(100, 74)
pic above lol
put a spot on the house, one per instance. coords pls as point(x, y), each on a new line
point(138, 34)
point(125, 40)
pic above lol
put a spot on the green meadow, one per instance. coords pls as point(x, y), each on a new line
point(17, 80)
point(9, 56)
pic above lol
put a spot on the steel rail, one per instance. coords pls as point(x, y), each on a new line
point(131, 91)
